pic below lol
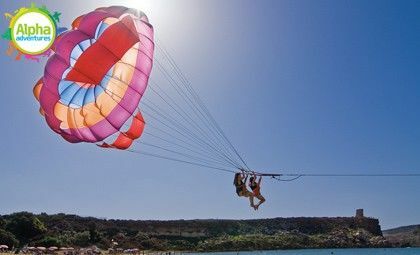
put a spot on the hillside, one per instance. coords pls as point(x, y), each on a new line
point(201, 235)
point(407, 236)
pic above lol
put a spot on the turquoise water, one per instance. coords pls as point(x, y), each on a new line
point(398, 251)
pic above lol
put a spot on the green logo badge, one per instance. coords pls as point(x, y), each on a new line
point(32, 32)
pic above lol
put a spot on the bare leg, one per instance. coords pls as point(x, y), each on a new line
point(249, 195)
point(251, 201)
point(262, 200)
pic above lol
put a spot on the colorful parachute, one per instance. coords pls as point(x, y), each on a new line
point(93, 83)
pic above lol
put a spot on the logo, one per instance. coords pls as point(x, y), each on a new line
point(32, 31)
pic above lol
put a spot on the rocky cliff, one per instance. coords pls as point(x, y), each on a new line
point(200, 235)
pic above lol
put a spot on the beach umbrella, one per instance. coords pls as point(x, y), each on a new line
point(4, 246)
point(41, 248)
point(53, 248)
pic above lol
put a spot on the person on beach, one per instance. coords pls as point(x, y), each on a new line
point(255, 186)
point(240, 184)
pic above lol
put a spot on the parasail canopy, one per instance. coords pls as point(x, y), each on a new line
point(93, 83)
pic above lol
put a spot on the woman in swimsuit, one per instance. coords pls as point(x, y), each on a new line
point(256, 187)
point(241, 190)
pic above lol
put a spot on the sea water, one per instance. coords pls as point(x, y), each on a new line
point(379, 251)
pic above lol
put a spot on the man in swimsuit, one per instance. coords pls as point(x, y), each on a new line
point(256, 187)
point(241, 190)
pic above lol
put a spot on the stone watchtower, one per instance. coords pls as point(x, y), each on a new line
point(359, 213)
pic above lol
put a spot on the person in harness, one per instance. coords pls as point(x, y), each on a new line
point(240, 185)
point(255, 186)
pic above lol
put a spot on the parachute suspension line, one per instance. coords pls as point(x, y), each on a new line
point(191, 104)
point(180, 126)
point(176, 126)
point(147, 144)
point(180, 77)
point(187, 85)
point(182, 130)
point(174, 84)
point(165, 124)
point(179, 90)
point(200, 130)
point(180, 160)
point(203, 163)
point(181, 93)
point(179, 132)
point(184, 147)
point(183, 154)
point(203, 132)
point(177, 138)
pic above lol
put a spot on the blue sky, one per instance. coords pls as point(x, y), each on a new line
point(304, 86)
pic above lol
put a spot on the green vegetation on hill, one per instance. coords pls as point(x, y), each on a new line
point(25, 228)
